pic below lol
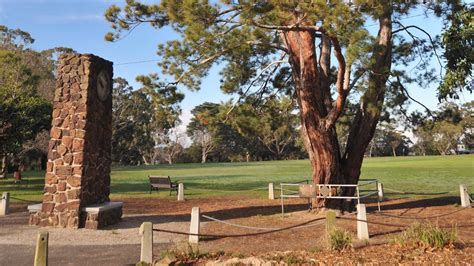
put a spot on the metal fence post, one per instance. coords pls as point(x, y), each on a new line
point(271, 193)
point(146, 231)
point(194, 228)
point(41, 254)
point(362, 228)
point(180, 192)
point(465, 202)
point(5, 204)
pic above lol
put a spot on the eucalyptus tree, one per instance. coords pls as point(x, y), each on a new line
point(292, 45)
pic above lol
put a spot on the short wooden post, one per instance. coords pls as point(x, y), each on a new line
point(146, 231)
point(194, 228)
point(180, 192)
point(362, 228)
point(330, 221)
point(5, 204)
point(380, 191)
point(271, 193)
point(41, 254)
point(465, 202)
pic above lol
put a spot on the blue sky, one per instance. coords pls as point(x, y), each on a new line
point(79, 24)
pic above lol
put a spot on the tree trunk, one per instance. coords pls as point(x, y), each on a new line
point(312, 96)
point(365, 121)
point(204, 156)
point(3, 171)
point(314, 99)
point(145, 161)
point(393, 152)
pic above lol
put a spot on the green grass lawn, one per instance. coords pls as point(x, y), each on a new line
point(422, 176)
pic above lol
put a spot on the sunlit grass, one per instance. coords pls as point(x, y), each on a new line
point(421, 176)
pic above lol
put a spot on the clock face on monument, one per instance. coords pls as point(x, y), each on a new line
point(103, 85)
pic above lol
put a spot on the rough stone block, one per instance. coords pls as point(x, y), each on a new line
point(64, 170)
point(74, 181)
point(47, 207)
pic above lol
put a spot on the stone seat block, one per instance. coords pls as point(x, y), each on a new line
point(34, 208)
point(98, 216)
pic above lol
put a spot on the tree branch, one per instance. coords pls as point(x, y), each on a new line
point(405, 28)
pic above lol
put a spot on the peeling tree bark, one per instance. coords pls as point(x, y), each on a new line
point(318, 112)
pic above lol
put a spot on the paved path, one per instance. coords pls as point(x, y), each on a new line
point(117, 245)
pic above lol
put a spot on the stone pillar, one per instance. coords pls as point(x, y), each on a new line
point(5, 204)
point(180, 192)
point(465, 201)
point(380, 191)
point(362, 228)
point(194, 227)
point(330, 222)
point(41, 253)
point(146, 231)
point(79, 152)
point(271, 191)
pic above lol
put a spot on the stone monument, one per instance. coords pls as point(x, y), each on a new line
point(77, 180)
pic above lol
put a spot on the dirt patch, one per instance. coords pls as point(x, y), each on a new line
point(304, 244)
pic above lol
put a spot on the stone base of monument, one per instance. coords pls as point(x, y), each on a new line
point(34, 208)
point(98, 216)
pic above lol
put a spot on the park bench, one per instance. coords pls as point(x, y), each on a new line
point(162, 182)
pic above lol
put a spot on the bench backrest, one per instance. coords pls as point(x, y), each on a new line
point(160, 181)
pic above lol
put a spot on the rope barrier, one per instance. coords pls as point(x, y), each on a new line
point(417, 217)
point(31, 201)
point(231, 191)
point(371, 222)
point(404, 192)
point(393, 225)
point(253, 227)
point(239, 235)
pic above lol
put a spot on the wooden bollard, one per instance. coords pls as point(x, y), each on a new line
point(180, 192)
point(330, 222)
point(146, 231)
point(5, 204)
point(41, 254)
point(465, 201)
point(194, 228)
point(271, 192)
point(362, 228)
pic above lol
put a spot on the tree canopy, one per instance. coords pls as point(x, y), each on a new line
point(318, 52)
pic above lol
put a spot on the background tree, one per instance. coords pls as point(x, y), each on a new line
point(142, 119)
point(203, 128)
point(132, 140)
point(458, 41)
point(273, 124)
point(259, 42)
point(27, 85)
